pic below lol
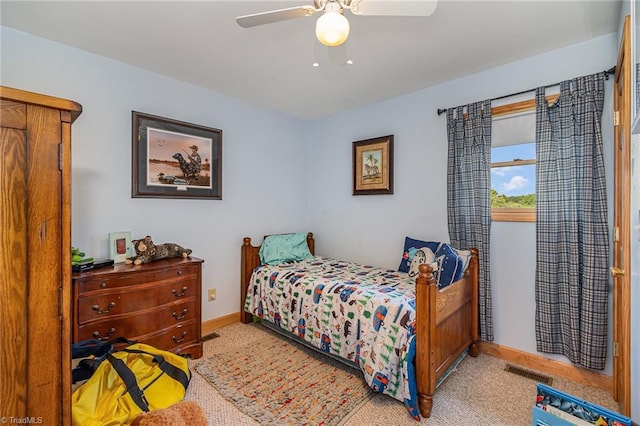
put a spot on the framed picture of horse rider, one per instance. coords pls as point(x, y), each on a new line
point(174, 159)
point(373, 166)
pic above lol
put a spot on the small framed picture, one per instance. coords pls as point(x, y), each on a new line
point(120, 246)
point(373, 166)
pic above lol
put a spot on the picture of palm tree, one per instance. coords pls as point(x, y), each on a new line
point(371, 165)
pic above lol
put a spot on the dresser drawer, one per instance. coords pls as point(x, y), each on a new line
point(179, 336)
point(107, 281)
point(141, 322)
point(107, 303)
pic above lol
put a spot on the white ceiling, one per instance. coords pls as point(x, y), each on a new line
point(271, 65)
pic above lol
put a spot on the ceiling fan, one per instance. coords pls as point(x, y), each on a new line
point(332, 28)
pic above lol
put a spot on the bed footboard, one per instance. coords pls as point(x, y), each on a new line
point(446, 326)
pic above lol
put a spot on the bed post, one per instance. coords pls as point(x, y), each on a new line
point(311, 243)
point(475, 308)
point(426, 290)
point(250, 259)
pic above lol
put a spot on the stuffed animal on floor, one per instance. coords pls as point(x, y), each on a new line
point(147, 251)
point(185, 413)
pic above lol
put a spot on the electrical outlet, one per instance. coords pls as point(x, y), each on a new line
point(212, 294)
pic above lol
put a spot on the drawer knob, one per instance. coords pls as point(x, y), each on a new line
point(175, 339)
point(184, 291)
point(180, 272)
point(179, 317)
point(96, 334)
point(105, 311)
point(103, 284)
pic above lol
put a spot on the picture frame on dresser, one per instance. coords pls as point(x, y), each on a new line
point(175, 159)
point(373, 166)
point(120, 247)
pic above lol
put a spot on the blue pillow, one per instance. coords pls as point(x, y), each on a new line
point(276, 249)
point(423, 256)
point(410, 247)
point(450, 265)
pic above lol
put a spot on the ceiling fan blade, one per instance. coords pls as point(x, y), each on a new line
point(274, 16)
point(393, 7)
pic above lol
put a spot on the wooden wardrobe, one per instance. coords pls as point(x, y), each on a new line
point(35, 257)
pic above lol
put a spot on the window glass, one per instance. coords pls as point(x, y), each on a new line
point(524, 151)
point(513, 185)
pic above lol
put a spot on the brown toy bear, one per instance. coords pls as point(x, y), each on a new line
point(185, 413)
point(147, 251)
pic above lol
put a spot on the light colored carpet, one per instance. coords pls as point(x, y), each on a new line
point(480, 391)
point(278, 383)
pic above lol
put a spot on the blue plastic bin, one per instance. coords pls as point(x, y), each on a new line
point(556, 408)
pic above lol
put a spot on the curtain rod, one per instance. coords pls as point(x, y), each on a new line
point(606, 74)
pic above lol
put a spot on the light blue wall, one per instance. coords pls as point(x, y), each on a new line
point(254, 139)
point(371, 229)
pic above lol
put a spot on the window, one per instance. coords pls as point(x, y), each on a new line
point(513, 162)
point(513, 182)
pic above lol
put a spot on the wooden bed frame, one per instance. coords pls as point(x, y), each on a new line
point(446, 320)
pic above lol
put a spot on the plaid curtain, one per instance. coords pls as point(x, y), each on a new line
point(469, 193)
point(572, 248)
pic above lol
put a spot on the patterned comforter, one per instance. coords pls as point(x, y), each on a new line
point(360, 313)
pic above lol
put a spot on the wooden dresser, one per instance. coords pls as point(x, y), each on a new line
point(157, 303)
point(35, 259)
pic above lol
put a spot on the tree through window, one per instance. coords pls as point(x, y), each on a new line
point(513, 176)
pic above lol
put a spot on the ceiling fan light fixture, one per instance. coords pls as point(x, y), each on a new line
point(332, 28)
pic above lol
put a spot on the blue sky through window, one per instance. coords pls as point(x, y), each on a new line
point(514, 180)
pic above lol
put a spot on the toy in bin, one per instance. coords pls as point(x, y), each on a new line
point(556, 408)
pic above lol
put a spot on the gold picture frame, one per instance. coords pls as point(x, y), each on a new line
point(373, 166)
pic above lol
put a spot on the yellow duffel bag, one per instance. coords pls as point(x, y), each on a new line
point(130, 381)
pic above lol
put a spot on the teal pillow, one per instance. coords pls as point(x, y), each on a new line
point(282, 248)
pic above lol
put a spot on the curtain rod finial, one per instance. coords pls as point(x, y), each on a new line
point(441, 111)
point(611, 70)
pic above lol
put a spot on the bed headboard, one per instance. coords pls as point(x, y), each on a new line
point(249, 261)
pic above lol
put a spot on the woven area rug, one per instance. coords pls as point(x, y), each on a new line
point(280, 382)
